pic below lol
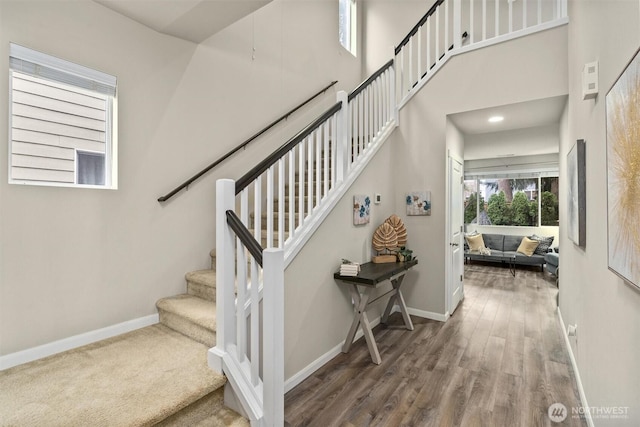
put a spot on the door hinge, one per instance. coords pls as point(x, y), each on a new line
point(461, 277)
point(461, 228)
point(461, 180)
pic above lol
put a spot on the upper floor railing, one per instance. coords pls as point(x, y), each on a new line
point(451, 27)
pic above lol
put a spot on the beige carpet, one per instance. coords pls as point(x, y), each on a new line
point(136, 379)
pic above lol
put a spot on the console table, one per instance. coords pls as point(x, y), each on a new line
point(370, 277)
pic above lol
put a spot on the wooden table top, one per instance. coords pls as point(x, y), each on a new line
point(371, 273)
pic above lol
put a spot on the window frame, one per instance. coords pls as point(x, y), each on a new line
point(350, 26)
point(537, 176)
point(48, 70)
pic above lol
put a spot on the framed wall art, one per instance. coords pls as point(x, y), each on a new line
point(418, 203)
point(361, 209)
point(577, 208)
point(623, 173)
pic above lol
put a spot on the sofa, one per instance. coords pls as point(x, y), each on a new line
point(502, 246)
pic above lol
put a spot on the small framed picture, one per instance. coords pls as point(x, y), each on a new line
point(361, 209)
point(418, 203)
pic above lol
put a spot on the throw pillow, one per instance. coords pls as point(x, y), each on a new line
point(527, 246)
point(543, 245)
point(475, 242)
point(473, 233)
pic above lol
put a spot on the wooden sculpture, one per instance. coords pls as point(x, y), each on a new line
point(401, 231)
point(385, 240)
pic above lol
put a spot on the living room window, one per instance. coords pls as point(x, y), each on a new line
point(347, 20)
point(523, 201)
point(62, 128)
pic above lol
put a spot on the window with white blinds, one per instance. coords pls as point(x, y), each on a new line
point(62, 124)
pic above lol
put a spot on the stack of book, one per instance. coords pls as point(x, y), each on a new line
point(349, 268)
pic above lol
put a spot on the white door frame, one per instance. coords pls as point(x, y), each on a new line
point(449, 280)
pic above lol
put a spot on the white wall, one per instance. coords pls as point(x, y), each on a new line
point(606, 310)
point(536, 140)
point(536, 69)
point(75, 260)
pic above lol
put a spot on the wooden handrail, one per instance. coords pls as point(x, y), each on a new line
point(245, 236)
point(258, 170)
point(416, 27)
point(367, 82)
point(243, 145)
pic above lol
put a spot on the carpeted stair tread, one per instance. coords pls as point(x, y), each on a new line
point(202, 283)
point(206, 412)
point(192, 316)
point(136, 379)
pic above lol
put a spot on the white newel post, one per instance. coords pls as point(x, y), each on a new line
point(342, 131)
point(225, 271)
point(393, 101)
point(457, 24)
point(273, 324)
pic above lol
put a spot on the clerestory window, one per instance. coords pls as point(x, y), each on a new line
point(62, 128)
point(347, 20)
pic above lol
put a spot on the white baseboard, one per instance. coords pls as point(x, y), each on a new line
point(583, 397)
point(35, 353)
point(428, 314)
point(321, 361)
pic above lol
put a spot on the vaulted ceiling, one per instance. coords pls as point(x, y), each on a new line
point(193, 20)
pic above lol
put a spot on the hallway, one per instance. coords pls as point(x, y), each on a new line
point(500, 360)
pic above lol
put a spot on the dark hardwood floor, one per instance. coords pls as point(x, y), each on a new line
point(500, 360)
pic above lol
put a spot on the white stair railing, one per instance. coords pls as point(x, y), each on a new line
point(451, 27)
point(295, 187)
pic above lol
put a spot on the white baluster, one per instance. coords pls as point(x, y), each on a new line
point(428, 44)
point(269, 206)
point(367, 116)
point(309, 170)
point(446, 27)
point(410, 50)
point(292, 191)
point(419, 53)
point(318, 137)
point(437, 18)
point(326, 129)
point(301, 188)
point(457, 24)
point(255, 323)
point(257, 209)
point(472, 19)
point(539, 12)
point(484, 20)
point(341, 139)
point(334, 144)
point(510, 16)
point(497, 18)
point(281, 167)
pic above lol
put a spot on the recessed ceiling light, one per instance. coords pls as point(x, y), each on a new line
point(496, 119)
